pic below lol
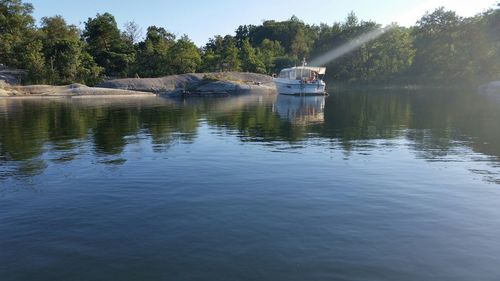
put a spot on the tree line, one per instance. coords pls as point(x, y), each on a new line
point(440, 47)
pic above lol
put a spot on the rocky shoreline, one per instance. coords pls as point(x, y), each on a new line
point(196, 84)
point(69, 90)
point(183, 85)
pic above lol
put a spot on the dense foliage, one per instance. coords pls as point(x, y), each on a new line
point(441, 47)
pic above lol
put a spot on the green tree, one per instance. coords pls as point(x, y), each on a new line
point(16, 27)
point(213, 55)
point(209, 61)
point(184, 56)
point(294, 35)
point(62, 49)
point(153, 54)
point(108, 47)
point(250, 60)
point(478, 47)
point(355, 65)
point(230, 55)
point(132, 32)
point(241, 34)
point(388, 56)
point(66, 59)
point(299, 47)
point(89, 72)
point(221, 54)
point(269, 52)
point(436, 37)
point(34, 62)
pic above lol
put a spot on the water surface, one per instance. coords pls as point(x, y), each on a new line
point(356, 186)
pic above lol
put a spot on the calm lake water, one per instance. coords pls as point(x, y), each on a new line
point(355, 186)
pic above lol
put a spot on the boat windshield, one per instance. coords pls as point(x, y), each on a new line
point(298, 74)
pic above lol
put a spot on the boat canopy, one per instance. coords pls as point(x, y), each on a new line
point(300, 72)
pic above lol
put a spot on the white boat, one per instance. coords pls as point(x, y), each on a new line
point(301, 80)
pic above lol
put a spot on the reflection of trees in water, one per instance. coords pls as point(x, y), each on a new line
point(253, 119)
point(253, 123)
point(479, 119)
point(435, 123)
point(346, 117)
point(16, 140)
point(447, 125)
point(29, 127)
point(441, 120)
point(430, 131)
point(357, 116)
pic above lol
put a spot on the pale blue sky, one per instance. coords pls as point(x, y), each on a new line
point(201, 20)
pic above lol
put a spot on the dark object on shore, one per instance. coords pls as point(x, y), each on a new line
point(11, 76)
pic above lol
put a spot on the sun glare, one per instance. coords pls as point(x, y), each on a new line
point(463, 8)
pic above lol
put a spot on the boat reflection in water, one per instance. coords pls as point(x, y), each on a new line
point(300, 110)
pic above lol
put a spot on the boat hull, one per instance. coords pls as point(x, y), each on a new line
point(296, 87)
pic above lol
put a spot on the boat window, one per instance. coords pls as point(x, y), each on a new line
point(283, 74)
point(302, 74)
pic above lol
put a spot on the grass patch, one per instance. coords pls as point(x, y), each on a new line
point(211, 78)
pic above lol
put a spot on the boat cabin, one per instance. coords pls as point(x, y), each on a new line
point(304, 73)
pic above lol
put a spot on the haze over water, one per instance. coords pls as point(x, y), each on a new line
point(355, 186)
